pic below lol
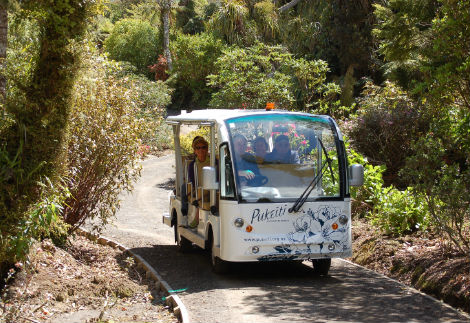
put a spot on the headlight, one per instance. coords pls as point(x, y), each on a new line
point(343, 219)
point(239, 222)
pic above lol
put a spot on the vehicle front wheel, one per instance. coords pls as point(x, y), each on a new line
point(321, 266)
point(219, 266)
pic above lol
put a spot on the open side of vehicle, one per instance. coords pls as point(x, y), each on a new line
point(287, 201)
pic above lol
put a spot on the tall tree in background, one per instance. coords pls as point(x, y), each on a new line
point(165, 7)
point(3, 44)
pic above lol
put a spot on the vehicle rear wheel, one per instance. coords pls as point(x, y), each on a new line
point(321, 266)
point(184, 245)
point(219, 266)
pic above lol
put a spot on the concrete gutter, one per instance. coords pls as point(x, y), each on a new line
point(172, 300)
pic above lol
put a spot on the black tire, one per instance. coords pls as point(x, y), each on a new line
point(184, 245)
point(219, 266)
point(321, 266)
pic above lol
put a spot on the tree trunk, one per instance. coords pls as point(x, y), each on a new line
point(166, 8)
point(288, 5)
point(3, 49)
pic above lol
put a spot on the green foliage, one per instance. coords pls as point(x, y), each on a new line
point(44, 53)
point(335, 31)
point(399, 212)
point(440, 169)
point(387, 123)
point(403, 29)
point(134, 41)
point(196, 57)
point(231, 22)
point(392, 210)
point(366, 196)
point(42, 220)
point(250, 77)
point(106, 126)
point(433, 37)
point(188, 19)
point(266, 18)
point(311, 88)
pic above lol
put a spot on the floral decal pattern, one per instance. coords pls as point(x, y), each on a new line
point(312, 234)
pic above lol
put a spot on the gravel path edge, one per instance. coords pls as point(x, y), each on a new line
point(172, 300)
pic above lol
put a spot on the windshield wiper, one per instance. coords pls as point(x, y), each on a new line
point(303, 197)
point(328, 159)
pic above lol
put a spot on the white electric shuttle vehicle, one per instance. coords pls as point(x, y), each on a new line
point(292, 206)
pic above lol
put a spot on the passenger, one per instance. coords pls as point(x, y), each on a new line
point(261, 149)
point(200, 148)
point(246, 163)
point(282, 154)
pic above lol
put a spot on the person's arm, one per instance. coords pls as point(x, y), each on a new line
point(248, 167)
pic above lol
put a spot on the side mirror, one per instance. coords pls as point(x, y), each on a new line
point(209, 178)
point(356, 175)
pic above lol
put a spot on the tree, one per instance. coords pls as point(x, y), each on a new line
point(133, 41)
point(250, 77)
point(165, 9)
point(3, 45)
point(35, 142)
point(433, 37)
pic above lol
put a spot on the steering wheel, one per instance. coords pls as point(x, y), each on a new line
point(258, 180)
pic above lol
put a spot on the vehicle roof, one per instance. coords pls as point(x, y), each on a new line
point(219, 115)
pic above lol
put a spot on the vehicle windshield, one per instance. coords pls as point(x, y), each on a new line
point(277, 156)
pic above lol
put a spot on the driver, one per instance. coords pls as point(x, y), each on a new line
point(282, 153)
point(246, 163)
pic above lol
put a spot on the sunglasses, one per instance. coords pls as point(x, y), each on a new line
point(200, 147)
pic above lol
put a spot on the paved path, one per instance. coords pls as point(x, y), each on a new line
point(260, 292)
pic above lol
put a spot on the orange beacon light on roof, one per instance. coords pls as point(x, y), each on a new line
point(269, 106)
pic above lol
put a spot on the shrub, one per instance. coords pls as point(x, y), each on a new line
point(196, 56)
point(392, 210)
point(41, 220)
point(133, 41)
point(443, 179)
point(150, 98)
point(387, 123)
point(366, 196)
point(106, 130)
point(398, 212)
point(250, 77)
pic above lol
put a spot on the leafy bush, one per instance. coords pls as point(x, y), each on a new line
point(250, 77)
point(366, 196)
point(392, 210)
point(106, 128)
point(133, 41)
point(41, 220)
point(196, 57)
point(387, 123)
point(150, 98)
point(444, 177)
point(398, 211)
